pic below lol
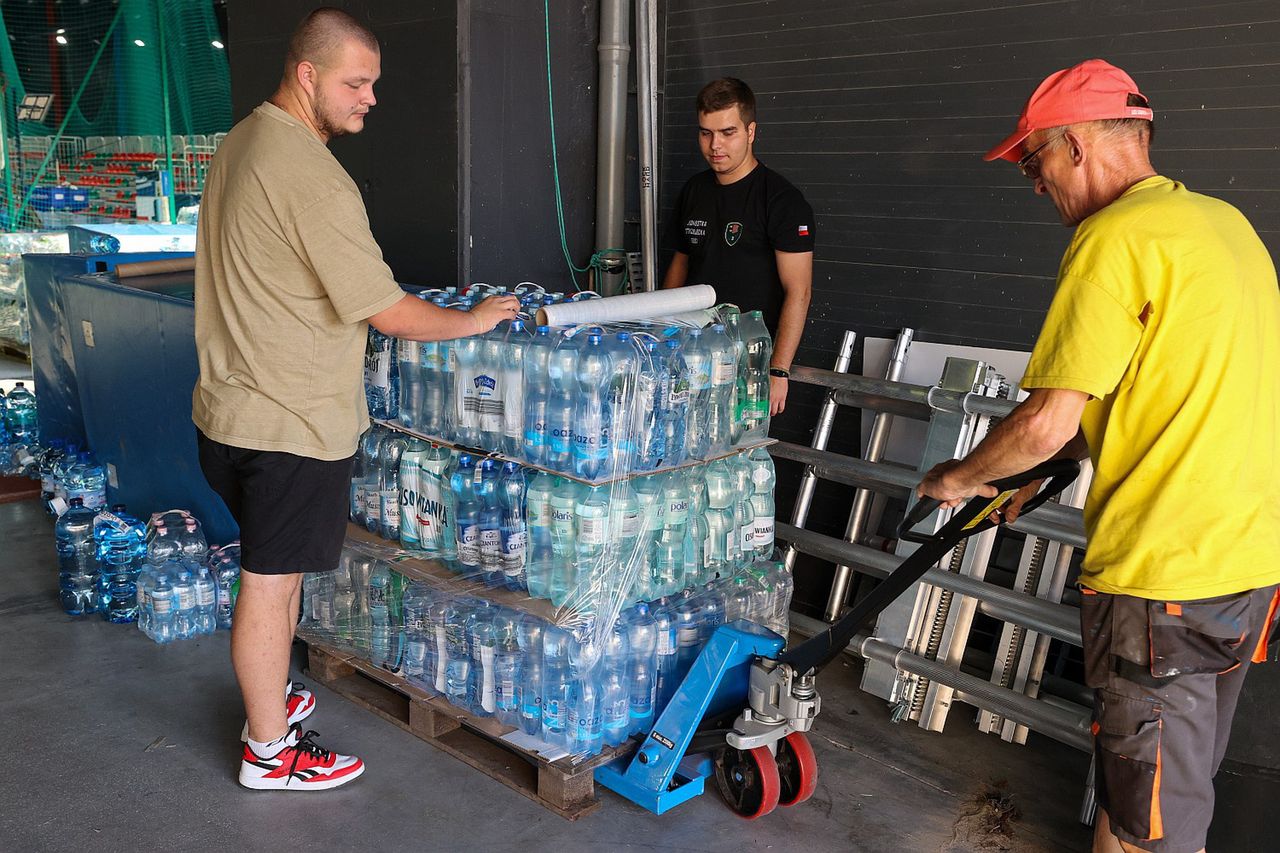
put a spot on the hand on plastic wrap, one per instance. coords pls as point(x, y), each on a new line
point(493, 311)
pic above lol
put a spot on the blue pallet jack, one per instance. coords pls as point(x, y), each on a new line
point(742, 710)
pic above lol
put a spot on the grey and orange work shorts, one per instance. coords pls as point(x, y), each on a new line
point(1167, 675)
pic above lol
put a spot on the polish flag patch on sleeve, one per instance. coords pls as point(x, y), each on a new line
point(803, 230)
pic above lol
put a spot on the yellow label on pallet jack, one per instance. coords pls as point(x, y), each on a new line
point(996, 502)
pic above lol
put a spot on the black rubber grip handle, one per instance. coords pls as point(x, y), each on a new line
point(1059, 472)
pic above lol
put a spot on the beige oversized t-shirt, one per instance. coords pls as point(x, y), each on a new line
point(287, 273)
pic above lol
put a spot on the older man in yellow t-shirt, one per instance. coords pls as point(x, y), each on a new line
point(1160, 360)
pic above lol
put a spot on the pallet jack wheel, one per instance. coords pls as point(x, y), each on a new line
point(797, 769)
point(748, 780)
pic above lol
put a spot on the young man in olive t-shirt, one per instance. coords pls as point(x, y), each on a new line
point(288, 279)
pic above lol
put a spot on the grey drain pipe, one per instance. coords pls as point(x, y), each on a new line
point(611, 122)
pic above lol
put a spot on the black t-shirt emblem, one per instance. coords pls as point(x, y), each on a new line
point(732, 232)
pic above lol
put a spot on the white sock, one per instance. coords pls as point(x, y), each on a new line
point(272, 748)
point(288, 688)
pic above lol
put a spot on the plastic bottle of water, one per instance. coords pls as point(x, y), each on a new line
point(584, 727)
point(515, 532)
point(724, 375)
point(466, 354)
point(206, 592)
point(410, 533)
point(564, 497)
point(723, 534)
point(411, 386)
point(91, 482)
point(762, 483)
point(160, 604)
point(226, 570)
point(506, 667)
point(381, 376)
point(642, 637)
point(431, 356)
point(591, 425)
point(697, 357)
point(624, 362)
point(783, 585)
point(386, 640)
point(365, 454)
point(625, 525)
point(757, 354)
point(511, 378)
point(447, 366)
point(541, 554)
point(389, 494)
point(615, 695)
point(591, 526)
point(416, 665)
point(438, 641)
point(482, 690)
point(466, 516)
point(652, 515)
point(490, 392)
point(738, 396)
point(666, 652)
point(490, 520)
point(556, 682)
point(672, 555)
point(20, 415)
point(562, 367)
point(697, 569)
point(192, 545)
point(688, 623)
point(119, 541)
point(184, 603)
point(436, 520)
point(675, 408)
point(73, 480)
point(648, 427)
point(739, 599)
point(743, 512)
point(537, 390)
point(712, 609)
point(457, 654)
point(77, 559)
point(529, 635)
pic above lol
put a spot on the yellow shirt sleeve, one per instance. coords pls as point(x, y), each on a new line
point(1087, 341)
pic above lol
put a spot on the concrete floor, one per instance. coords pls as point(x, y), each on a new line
point(116, 743)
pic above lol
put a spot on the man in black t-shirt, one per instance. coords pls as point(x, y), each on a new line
point(744, 229)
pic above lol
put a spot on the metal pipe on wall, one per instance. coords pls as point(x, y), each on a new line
point(876, 443)
point(614, 52)
point(647, 120)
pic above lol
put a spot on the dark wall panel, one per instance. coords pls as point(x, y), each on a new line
point(880, 112)
point(406, 160)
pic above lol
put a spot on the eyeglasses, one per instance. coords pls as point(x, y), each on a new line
point(1028, 165)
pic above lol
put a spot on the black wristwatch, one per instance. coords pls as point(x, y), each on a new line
point(779, 372)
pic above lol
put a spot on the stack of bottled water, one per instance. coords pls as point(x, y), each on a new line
point(524, 670)
point(556, 537)
point(121, 545)
point(177, 593)
point(585, 401)
point(224, 564)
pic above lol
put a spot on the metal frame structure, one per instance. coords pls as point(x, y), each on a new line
point(914, 657)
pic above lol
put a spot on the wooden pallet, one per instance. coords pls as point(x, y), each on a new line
point(561, 786)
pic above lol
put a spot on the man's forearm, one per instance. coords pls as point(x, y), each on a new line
point(1038, 430)
point(795, 310)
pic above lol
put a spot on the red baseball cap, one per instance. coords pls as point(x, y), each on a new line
point(1091, 91)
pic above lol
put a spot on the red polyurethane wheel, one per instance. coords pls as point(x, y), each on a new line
point(748, 781)
point(797, 769)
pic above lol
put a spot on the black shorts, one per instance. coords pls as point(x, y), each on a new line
point(292, 510)
point(1167, 675)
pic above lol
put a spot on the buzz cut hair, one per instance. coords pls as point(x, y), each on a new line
point(321, 35)
point(727, 92)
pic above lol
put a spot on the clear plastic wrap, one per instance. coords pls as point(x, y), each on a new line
point(13, 298)
point(609, 482)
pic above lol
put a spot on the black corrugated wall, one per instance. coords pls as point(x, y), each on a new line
point(880, 111)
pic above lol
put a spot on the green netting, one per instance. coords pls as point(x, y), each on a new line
point(136, 85)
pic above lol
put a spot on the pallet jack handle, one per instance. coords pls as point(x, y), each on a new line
point(973, 517)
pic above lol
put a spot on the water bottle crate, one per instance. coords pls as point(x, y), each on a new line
point(433, 571)
point(561, 786)
point(604, 481)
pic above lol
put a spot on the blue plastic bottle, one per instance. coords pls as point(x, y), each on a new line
point(537, 391)
point(490, 520)
point(466, 516)
point(591, 413)
point(514, 531)
point(77, 559)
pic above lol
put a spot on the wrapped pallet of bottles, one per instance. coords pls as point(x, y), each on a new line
point(597, 501)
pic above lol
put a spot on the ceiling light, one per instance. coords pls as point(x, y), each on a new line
point(60, 39)
point(219, 45)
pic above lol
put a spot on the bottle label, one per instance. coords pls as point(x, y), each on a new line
point(538, 511)
point(186, 597)
point(161, 606)
point(491, 548)
point(760, 475)
point(591, 531)
point(469, 544)
point(764, 532)
point(486, 682)
point(372, 501)
point(391, 508)
point(377, 369)
point(407, 350)
point(377, 595)
point(666, 643)
point(677, 511)
point(724, 372)
point(631, 523)
point(513, 551)
point(205, 595)
point(748, 538)
point(731, 541)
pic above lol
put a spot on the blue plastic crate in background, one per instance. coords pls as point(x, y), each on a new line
point(59, 198)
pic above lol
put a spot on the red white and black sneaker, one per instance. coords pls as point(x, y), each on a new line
point(301, 766)
point(299, 703)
